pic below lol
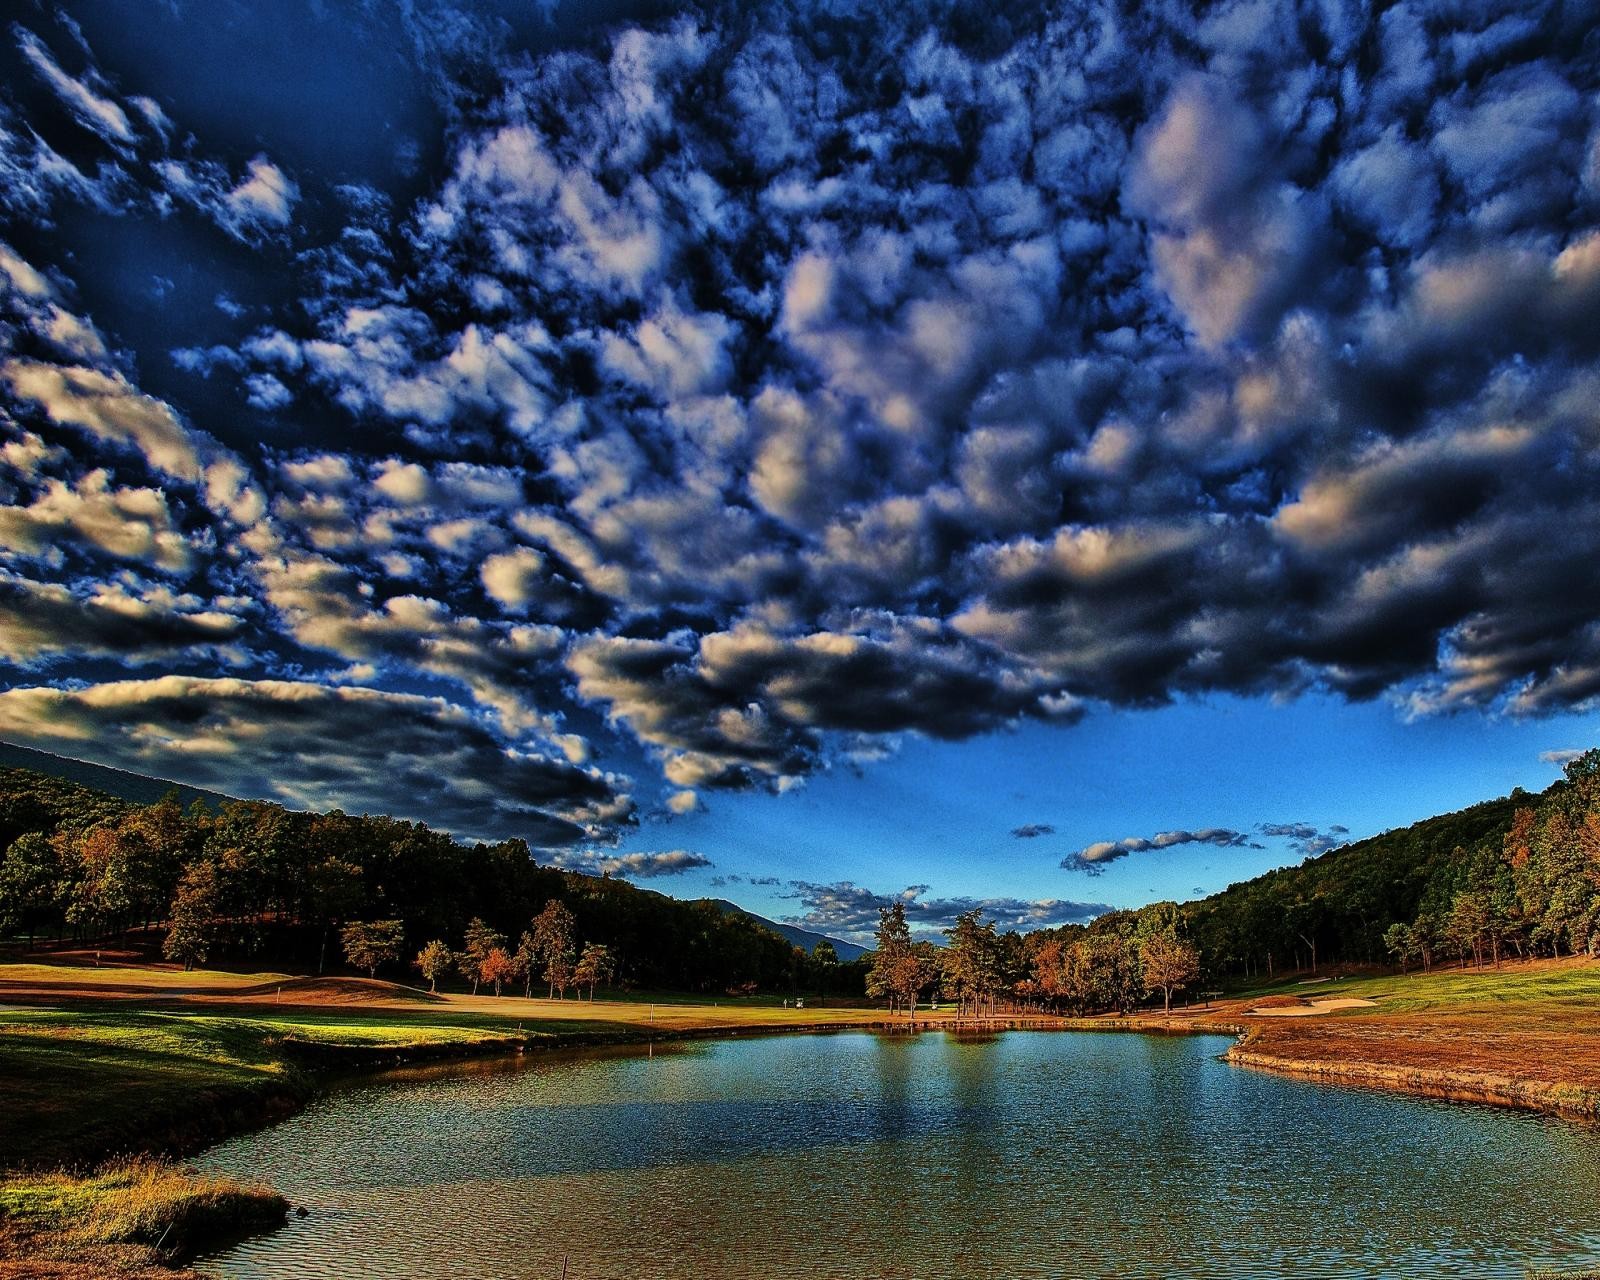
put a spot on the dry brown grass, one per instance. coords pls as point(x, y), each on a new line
point(1524, 1035)
point(132, 1218)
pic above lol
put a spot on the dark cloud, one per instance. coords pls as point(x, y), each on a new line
point(1093, 858)
point(1033, 830)
point(638, 865)
point(315, 746)
point(1304, 838)
point(749, 389)
point(848, 910)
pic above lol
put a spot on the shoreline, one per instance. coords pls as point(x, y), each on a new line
point(1568, 1102)
point(1519, 1040)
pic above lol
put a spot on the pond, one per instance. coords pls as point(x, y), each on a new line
point(863, 1156)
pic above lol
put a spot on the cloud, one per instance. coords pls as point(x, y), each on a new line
point(1093, 858)
point(265, 196)
point(848, 910)
point(1033, 830)
point(711, 390)
point(132, 622)
point(1562, 755)
point(1306, 840)
point(317, 746)
point(96, 113)
point(109, 408)
point(129, 524)
point(637, 865)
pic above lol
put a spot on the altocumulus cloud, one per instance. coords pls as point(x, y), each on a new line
point(734, 391)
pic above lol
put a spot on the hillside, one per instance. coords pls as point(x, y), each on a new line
point(802, 938)
point(1338, 906)
point(290, 880)
point(136, 788)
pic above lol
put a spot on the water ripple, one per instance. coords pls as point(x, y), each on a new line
point(861, 1157)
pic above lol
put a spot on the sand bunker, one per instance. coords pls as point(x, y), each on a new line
point(1310, 1008)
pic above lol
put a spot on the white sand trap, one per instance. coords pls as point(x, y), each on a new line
point(1315, 1007)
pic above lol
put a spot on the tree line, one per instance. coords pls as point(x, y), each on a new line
point(1517, 876)
point(249, 880)
point(1112, 964)
point(254, 882)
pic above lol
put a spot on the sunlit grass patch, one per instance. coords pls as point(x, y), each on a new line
point(163, 1211)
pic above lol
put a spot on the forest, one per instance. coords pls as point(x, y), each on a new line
point(253, 882)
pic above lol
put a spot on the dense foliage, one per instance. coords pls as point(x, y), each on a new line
point(1519, 875)
point(255, 882)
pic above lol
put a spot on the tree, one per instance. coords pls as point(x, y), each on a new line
point(555, 942)
point(1169, 963)
point(526, 960)
point(594, 967)
point(894, 944)
point(913, 971)
point(972, 961)
point(1400, 940)
point(373, 943)
point(480, 941)
point(33, 883)
point(334, 895)
point(497, 967)
point(825, 953)
point(193, 928)
point(434, 961)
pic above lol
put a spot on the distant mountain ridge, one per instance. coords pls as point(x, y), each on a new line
point(802, 938)
point(137, 788)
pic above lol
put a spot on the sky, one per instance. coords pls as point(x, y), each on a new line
point(1050, 459)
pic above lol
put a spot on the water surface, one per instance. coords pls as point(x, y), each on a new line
point(863, 1156)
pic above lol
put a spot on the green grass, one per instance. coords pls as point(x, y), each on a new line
point(77, 1084)
point(1447, 988)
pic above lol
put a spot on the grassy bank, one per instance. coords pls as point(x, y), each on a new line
point(130, 1219)
point(1524, 1035)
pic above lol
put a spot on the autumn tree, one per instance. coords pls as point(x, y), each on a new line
point(498, 966)
point(481, 939)
point(594, 967)
point(192, 931)
point(433, 962)
point(893, 945)
point(526, 961)
point(1169, 964)
point(555, 942)
point(372, 944)
point(914, 972)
